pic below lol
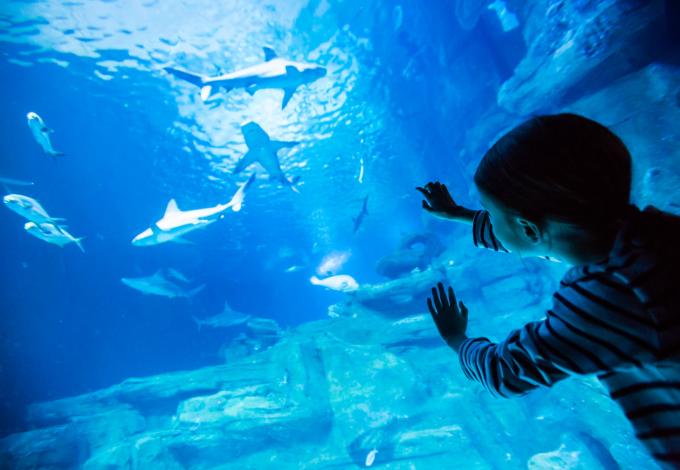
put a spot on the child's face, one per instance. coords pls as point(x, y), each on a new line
point(516, 233)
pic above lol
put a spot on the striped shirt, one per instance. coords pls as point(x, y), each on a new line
point(619, 319)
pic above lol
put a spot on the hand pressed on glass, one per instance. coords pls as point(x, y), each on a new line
point(449, 316)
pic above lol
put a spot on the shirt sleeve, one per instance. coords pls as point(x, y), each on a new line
point(596, 325)
point(482, 232)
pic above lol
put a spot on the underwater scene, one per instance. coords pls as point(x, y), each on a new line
point(214, 254)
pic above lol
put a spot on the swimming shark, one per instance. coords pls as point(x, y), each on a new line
point(158, 284)
point(29, 208)
point(225, 319)
point(52, 233)
point(263, 150)
point(176, 222)
point(41, 134)
point(274, 72)
point(360, 218)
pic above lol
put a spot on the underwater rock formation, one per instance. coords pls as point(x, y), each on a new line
point(362, 386)
point(576, 47)
point(415, 251)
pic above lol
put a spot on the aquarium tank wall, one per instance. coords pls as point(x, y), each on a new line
point(213, 252)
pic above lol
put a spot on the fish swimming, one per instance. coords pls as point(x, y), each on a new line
point(227, 318)
point(341, 283)
point(158, 284)
point(274, 72)
point(13, 182)
point(41, 134)
point(176, 222)
point(52, 233)
point(263, 150)
point(370, 457)
point(29, 208)
point(360, 218)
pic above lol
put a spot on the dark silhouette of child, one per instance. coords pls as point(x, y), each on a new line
point(559, 187)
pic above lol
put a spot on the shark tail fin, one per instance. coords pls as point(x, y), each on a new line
point(198, 322)
point(78, 241)
point(195, 291)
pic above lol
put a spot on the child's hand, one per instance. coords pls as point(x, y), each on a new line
point(450, 318)
point(439, 202)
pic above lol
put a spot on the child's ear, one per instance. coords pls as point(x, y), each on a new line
point(529, 230)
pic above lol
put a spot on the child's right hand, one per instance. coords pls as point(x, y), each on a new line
point(439, 202)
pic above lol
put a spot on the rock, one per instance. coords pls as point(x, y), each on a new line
point(577, 47)
point(415, 251)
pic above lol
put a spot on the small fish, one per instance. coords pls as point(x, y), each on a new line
point(227, 318)
point(341, 283)
point(158, 284)
point(13, 182)
point(370, 457)
point(41, 134)
point(53, 234)
point(29, 209)
point(361, 216)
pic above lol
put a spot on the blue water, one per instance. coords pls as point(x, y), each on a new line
point(405, 88)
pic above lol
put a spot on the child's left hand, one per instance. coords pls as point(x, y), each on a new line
point(450, 317)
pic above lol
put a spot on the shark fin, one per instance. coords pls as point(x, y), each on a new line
point(194, 78)
point(172, 208)
point(55, 153)
point(206, 91)
point(78, 241)
point(245, 161)
point(269, 54)
point(288, 92)
point(251, 90)
point(280, 144)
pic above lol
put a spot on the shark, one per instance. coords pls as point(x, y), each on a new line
point(41, 134)
point(227, 318)
point(175, 222)
point(159, 284)
point(263, 150)
point(51, 233)
point(358, 220)
point(29, 208)
point(274, 72)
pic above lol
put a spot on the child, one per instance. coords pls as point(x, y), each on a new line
point(558, 187)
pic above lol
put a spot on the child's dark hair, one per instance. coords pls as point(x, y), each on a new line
point(563, 167)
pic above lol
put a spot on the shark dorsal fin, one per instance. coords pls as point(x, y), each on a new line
point(172, 208)
point(269, 54)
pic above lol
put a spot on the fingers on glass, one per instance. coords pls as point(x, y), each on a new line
point(435, 298)
point(431, 308)
point(463, 309)
point(452, 297)
point(442, 295)
point(426, 206)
